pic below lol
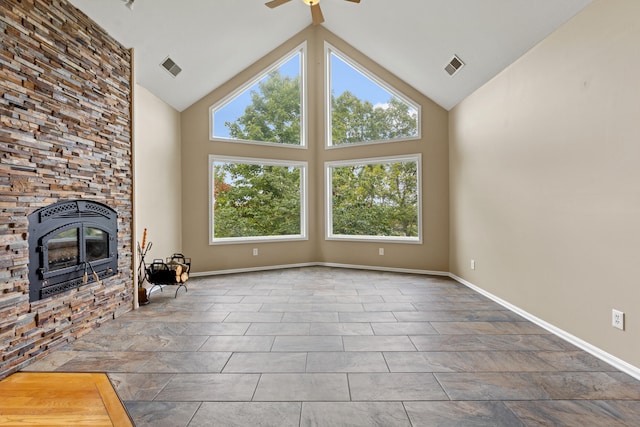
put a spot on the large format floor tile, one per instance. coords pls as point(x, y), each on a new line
point(378, 343)
point(204, 387)
point(394, 386)
point(234, 343)
point(470, 361)
point(577, 412)
point(266, 362)
point(162, 414)
point(308, 343)
point(242, 414)
point(186, 362)
point(302, 387)
point(356, 414)
point(346, 361)
point(323, 346)
point(476, 414)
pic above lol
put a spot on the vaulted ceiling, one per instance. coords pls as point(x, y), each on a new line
point(213, 40)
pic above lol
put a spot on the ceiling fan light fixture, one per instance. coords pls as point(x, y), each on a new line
point(316, 13)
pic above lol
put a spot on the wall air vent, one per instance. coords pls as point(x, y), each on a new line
point(169, 65)
point(454, 65)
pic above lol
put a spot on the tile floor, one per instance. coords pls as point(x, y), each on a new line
point(321, 346)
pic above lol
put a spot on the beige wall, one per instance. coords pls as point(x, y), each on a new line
point(158, 174)
point(432, 254)
point(544, 179)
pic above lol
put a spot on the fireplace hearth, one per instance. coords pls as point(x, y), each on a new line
point(71, 243)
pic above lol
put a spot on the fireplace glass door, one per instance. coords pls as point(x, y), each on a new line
point(73, 246)
point(63, 250)
point(96, 243)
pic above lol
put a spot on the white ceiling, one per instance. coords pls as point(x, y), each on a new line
point(213, 40)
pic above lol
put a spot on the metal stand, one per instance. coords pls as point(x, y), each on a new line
point(175, 271)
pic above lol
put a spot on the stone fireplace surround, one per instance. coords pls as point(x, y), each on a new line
point(65, 134)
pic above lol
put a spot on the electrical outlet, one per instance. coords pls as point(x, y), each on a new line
point(617, 319)
point(473, 264)
point(255, 251)
point(380, 251)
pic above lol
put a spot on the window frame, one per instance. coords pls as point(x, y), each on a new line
point(328, 50)
point(300, 49)
point(304, 200)
point(328, 167)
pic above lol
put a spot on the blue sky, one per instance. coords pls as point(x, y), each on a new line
point(343, 77)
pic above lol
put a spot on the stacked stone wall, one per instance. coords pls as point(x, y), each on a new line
point(65, 133)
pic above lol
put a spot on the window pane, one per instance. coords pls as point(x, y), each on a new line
point(256, 200)
point(267, 111)
point(96, 244)
point(375, 199)
point(62, 250)
point(364, 111)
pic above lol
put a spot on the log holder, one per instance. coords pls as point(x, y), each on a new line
point(172, 271)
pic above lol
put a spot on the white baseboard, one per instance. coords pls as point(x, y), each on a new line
point(320, 264)
point(389, 269)
point(251, 269)
point(589, 348)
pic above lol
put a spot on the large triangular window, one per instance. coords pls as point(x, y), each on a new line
point(269, 109)
point(361, 108)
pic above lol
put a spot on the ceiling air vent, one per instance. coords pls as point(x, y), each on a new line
point(454, 65)
point(171, 67)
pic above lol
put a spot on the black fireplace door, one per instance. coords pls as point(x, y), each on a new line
point(68, 242)
point(69, 249)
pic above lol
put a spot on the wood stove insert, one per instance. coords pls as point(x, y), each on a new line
point(70, 243)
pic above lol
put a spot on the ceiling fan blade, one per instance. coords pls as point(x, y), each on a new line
point(316, 14)
point(354, 1)
point(276, 3)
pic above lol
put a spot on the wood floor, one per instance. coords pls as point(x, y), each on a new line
point(60, 399)
point(333, 347)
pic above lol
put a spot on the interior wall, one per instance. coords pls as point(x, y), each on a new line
point(158, 174)
point(432, 254)
point(544, 180)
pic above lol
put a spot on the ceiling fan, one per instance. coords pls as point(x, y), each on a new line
point(316, 12)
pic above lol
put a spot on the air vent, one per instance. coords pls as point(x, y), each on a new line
point(454, 65)
point(171, 67)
